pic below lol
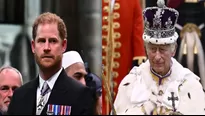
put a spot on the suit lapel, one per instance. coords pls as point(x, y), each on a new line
point(30, 97)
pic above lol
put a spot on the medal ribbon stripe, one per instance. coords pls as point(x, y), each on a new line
point(50, 109)
point(55, 109)
point(62, 110)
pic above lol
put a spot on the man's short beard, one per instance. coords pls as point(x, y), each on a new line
point(56, 64)
point(4, 110)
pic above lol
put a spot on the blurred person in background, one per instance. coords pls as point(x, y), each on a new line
point(95, 83)
point(75, 68)
point(10, 79)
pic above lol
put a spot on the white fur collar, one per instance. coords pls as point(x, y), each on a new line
point(143, 86)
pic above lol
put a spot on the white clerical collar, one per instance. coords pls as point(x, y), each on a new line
point(51, 81)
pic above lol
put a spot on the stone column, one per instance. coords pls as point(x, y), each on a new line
point(89, 33)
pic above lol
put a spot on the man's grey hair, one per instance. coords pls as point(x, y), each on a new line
point(16, 70)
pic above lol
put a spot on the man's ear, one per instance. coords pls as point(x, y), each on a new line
point(64, 44)
point(33, 46)
point(174, 51)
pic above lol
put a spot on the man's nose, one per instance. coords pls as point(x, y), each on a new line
point(158, 55)
point(47, 46)
point(10, 92)
point(82, 80)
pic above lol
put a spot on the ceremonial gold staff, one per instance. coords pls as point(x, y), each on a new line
point(106, 87)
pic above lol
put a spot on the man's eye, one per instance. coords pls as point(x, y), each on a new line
point(161, 49)
point(4, 88)
point(77, 77)
point(153, 49)
point(53, 41)
point(41, 41)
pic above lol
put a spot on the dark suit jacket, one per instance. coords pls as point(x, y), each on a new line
point(66, 91)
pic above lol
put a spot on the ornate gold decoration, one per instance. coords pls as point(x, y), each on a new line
point(172, 113)
point(116, 55)
point(114, 93)
point(116, 25)
point(116, 65)
point(108, 69)
point(190, 27)
point(115, 74)
point(103, 57)
point(106, 9)
point(105, 28)
point(116, 15)
point(116, 6)
point(143, 110)
point(104, 38)
point(114, 84)
point(185, 50)
point(106, 1)
point(191, 1)
point(109, 36)
point(116, 35)
point(103, 48)
point(105, 18)
point(117, 45)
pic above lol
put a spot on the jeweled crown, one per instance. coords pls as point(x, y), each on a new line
point(160, 21)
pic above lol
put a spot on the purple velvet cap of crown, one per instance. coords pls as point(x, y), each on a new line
point(149, 15)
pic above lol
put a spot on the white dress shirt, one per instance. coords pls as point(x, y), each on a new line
point(51, 81)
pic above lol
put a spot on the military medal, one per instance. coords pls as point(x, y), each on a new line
point(53, 109)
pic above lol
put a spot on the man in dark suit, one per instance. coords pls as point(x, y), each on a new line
point(52, 92)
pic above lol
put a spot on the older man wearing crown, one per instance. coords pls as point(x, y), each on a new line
point(161, 85)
